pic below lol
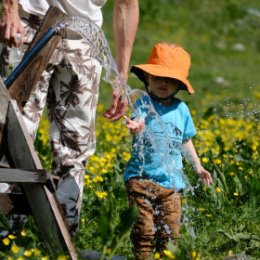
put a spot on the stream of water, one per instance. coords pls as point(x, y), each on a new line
point(96, 38)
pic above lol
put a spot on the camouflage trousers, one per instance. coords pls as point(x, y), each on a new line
point(70, 86)
point(158, 219)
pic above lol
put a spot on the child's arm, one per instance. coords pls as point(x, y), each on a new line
point(135, 125)
point(191, 154)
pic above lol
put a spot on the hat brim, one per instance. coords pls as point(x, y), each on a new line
point(161, 71)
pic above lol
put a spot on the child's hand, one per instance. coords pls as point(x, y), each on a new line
point(135, 126)
point(204, 175)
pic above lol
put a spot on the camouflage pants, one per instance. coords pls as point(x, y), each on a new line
point(70, 85)
point(159, 216)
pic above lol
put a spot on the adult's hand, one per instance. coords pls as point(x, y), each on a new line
point(118, 106)
point(11, 28)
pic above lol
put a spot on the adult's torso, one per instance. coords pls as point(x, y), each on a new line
point(90, 9)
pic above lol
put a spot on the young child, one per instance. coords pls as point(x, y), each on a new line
point(149, 183)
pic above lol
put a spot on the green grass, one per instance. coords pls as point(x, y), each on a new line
point(209, 31)
point(226, 79)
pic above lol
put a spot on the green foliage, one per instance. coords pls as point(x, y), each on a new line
point(223, 40)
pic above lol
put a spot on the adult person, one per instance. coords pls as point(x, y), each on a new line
point(69, 84)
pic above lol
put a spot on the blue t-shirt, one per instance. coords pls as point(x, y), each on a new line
point(157, 150)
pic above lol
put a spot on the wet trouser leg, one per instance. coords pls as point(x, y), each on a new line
point(158, 219)
point(70, 85)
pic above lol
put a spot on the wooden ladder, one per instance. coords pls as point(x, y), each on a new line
point(23, 166)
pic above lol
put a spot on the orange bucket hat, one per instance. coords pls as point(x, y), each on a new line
point(167, 60)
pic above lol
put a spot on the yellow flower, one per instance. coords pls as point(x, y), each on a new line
point(169, 254)
point(126, 156)
point(62, 257)
point(15, 249)
point(104, 171)
point(230, 253)
point(257, 94)
point(27, 253)
point(205, 159)
point(157, 256)
point(44, 258)
point(11, 236)
point(231, 173)
point(101, 195)
point(193, 254)
point(36, 251)
point(218, 190)
point(6, 241)
point(20, 258)
point(201, 209)
point(98, 178)
point(217, 161)
point(236, 194)
point(23, 233)
point(183, 201)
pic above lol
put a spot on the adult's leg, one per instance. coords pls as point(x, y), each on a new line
point(72, 102)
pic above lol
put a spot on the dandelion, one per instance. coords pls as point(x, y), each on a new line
point(205, 159)
point(218, 190)
point(169, 254)
point(230, 253)
point(23, 232)
point(27, 253)
point(101, 195)
point(12, 237)
point(157, 256)
point(15, 249)
point(217, 161)
point(98, 178)
point(195, 255)
point(6, 241)
point(87, 180)
point(36, 252)
point(104, 171)
point(126, 156)
point(109, 137)
point(183, 201)
point(236, 194)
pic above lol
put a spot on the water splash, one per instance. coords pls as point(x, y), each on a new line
point(97, 40)
point(95, 37)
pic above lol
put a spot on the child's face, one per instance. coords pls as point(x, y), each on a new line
point(163, 87)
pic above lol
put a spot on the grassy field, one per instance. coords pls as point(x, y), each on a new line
point(223, 38)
